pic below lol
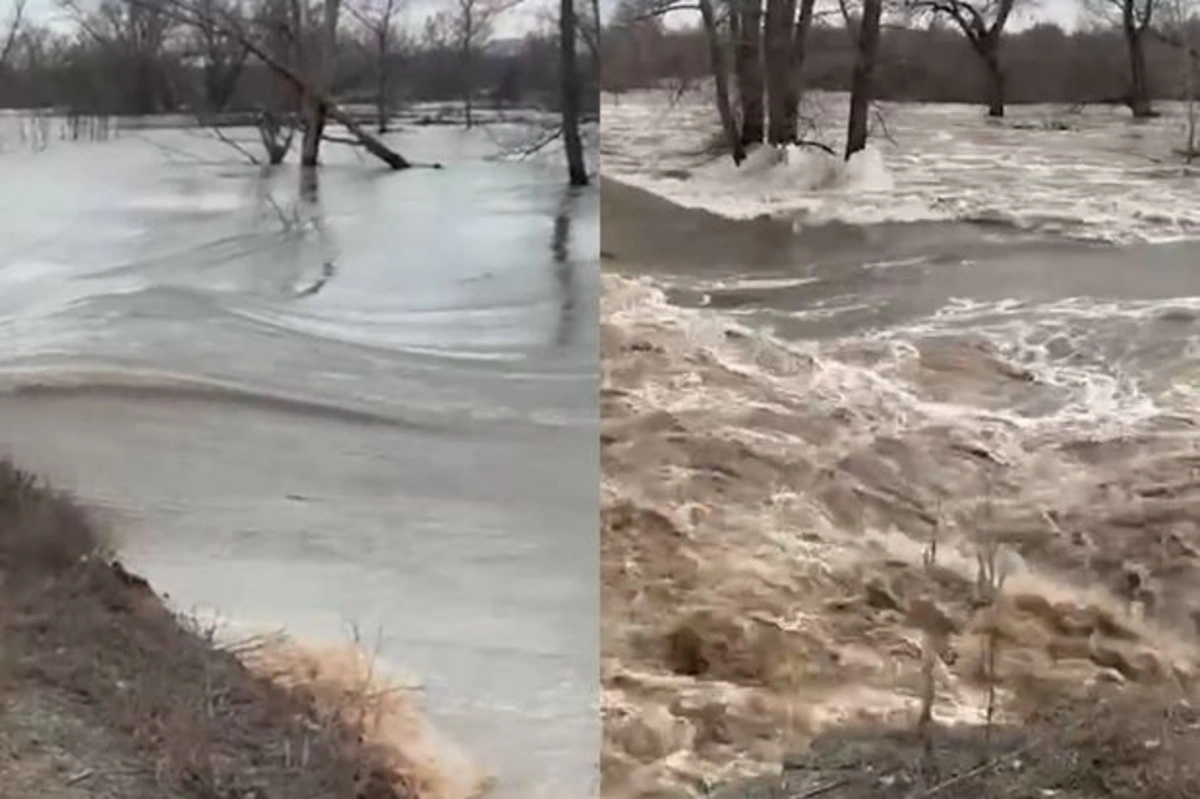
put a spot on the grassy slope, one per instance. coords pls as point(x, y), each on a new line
point(106, 693)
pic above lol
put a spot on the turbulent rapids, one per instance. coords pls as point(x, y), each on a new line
point(822, 446)
point(768, 508)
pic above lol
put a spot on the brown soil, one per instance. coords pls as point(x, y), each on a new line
point(104, 692)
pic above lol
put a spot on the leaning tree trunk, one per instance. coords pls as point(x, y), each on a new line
point(572, 143)
point(315, 109)
point(750, 71)
point(1139, 85)
point(371, 144)
point(781, 79)
point(860, 82)
point(716, 54)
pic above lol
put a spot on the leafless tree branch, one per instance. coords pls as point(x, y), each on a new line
point(15, 26)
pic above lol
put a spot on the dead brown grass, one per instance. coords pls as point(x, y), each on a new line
point(162, 698)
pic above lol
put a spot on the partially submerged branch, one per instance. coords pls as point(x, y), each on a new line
point(227, 25)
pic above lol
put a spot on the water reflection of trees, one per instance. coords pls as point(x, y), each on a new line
point(564, 267)
point(302, 228)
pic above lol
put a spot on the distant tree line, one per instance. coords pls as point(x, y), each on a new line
point(1041, 64)
point(132, 57)
point(763, 54)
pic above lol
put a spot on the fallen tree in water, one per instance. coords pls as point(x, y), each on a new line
point(303, 76)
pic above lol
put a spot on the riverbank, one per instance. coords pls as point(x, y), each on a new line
point(105, 692)
point(786, 523)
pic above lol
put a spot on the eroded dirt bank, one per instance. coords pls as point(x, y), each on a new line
point(768, 579)
point(106, 693)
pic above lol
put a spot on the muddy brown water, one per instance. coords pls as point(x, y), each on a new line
point(860, 379)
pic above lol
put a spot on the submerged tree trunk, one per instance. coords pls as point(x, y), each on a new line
point(321, 79)
point(467, 89)
point(1139, 84)
point(781, 78)
point(790, 126)
point(995, 82)
point(371, 144)
point(276, 141)
point(861, 81)
point(572, 143)
point(750, 71)
point(720, 70)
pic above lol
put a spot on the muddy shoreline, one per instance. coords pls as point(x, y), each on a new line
point(107, 693)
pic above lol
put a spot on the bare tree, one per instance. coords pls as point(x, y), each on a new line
point(571, 93)
point(982, 23)
point(1135, 18)
point(8, 43)
point(749, 65)
point(777, 55)
point(467, 30)
point(222, 59)
point(316, 99)
point(716, 53)
point(866, 42)
point(319, 83)
point(379, 18)
point(1178, 28)
point(134, 34)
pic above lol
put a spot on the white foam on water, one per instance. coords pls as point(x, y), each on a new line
point(933, 162)
point(783, 554)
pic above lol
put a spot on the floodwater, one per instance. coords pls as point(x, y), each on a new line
point(361, 405)
point(1049, 236)
point(973, 327)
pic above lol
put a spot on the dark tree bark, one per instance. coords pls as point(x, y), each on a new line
point(572, 142)
point(320, 79)
point(275, 138)
point(984, 37)
point(1134, 22)
point(720, 70)
point(383, 110)
point(781, 79)
point(867, 45)
point(995, 84)
point(8, 43)
point(750, 71)
point(791, 122)
point(189, 15)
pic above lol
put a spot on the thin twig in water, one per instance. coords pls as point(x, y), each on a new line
point(541, 145)
point(176, 151)
point(339, 140)
point(220, 134)
point(811, 143)
point(823, 789)
point(975, 772)
point(881, 122)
